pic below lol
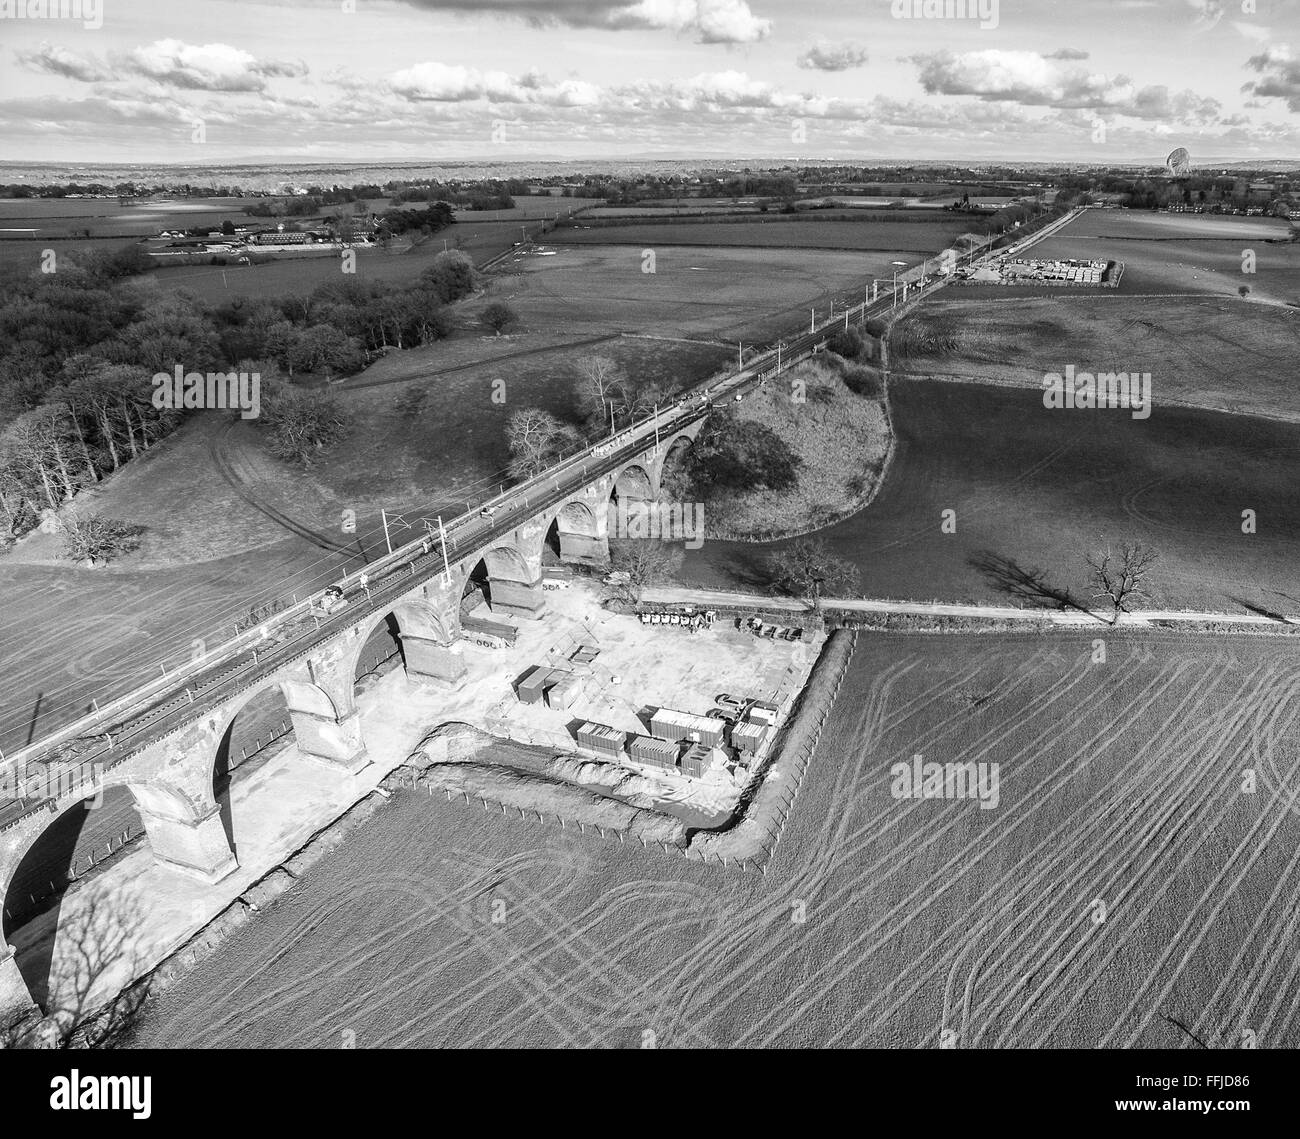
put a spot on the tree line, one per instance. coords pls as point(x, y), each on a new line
point(79, 348)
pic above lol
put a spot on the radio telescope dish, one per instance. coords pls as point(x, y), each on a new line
point(1179, 162)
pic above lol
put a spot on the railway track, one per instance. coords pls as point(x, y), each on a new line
point(225, 465)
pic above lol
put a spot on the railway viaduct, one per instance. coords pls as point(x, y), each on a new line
point(170, 771)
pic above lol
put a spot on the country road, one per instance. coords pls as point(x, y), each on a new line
point(1074, 617)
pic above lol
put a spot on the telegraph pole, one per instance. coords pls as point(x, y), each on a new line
point(446, 566)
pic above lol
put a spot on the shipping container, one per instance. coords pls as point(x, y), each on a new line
point(761, 712)
point(565, 691)
point(601, 738)
point(531, 687)
point(748, 735)
point(673, 725)
point(554, 676)
point(649, 749)
point(697, 760)
point(585, 654)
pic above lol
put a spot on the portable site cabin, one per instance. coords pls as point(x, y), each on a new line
point(673, 725)
point(602, 739)
point(650, 749)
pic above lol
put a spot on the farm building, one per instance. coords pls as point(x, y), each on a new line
point(273, 237)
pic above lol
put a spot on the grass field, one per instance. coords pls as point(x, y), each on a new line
point(58, 217)
point(666, 210)
point(1043, 487)
point(747, 294)
point(1213, 352)
point(1120, 798)
point(526, 209)
point(457, 445)
point(28, 256)
point(927, 238)
point(295, 275)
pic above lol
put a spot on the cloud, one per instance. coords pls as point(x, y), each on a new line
point(1068, 53)
point(710, 92)
point(1281, 70)
point(209, 67)
point(67, 64)
point(1255, 32)
point(1035, 80)
point(1207, 13)
point(828, 57)
point(446, 83)
point(710, 21)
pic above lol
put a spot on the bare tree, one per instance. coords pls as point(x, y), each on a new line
point(600, 390)
point(646, 398)
point(808, 568)
point(40, 443)
point(1118, 577)
point(537, 440)
point(499, 316)
point(95, 539)
point(646, 561)
point(301, 424)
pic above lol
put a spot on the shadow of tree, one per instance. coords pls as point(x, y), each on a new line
point(1028, 585)
point(1271, 614)
point(96, 956)
point(751, 571)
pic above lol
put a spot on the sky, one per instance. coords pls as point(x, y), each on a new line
point(1089, 81)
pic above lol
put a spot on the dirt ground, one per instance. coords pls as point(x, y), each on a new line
point(1124, 891)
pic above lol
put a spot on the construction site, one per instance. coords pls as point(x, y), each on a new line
point(694, 705)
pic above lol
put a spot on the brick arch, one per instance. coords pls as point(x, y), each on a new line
point(414, 616)
point(681, 442)
point(505, 563)
point(636, 480)
point(299, 693)
point(575, 517)
point(22, 840)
